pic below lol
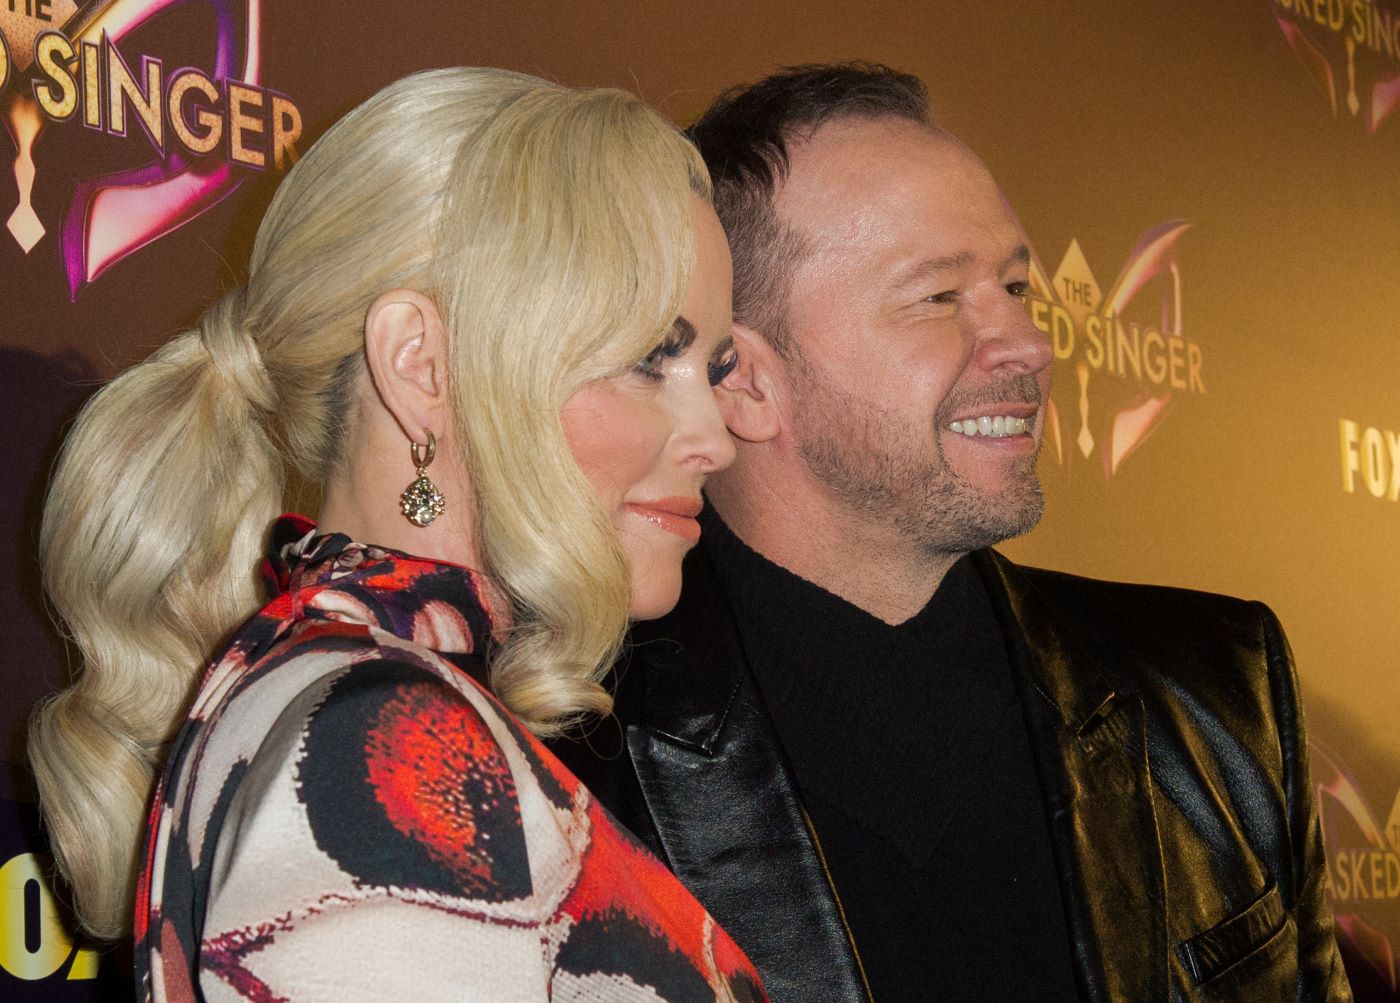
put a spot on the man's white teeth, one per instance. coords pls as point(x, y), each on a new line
point(998, 428)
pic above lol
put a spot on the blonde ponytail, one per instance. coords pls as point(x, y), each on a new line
point(153, 525)
point(554, 228)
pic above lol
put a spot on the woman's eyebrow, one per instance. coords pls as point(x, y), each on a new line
point(682, 334)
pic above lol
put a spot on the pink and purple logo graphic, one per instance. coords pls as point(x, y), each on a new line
point(62, 65)
point(1131, 357)
point(1351, 49)
point(1363, 867)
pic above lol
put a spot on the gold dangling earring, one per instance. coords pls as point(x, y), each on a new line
point(422, 502)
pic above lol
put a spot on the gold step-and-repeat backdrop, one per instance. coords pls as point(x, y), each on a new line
point(1211, 190)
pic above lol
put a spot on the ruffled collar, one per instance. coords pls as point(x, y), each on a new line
point(437, 604)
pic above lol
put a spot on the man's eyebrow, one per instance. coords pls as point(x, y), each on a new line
point(923, 270)
point(1020, 256)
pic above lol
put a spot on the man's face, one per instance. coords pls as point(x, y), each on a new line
point(918, 383)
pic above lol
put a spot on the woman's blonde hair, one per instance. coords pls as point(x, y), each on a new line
point(554, 229)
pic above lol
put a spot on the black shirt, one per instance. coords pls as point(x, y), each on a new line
point(911, 753)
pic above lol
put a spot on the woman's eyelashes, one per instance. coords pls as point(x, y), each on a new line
point(650, 365)
point(722, 363)
point(676, 343)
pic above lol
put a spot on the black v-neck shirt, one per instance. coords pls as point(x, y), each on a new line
point(910, 750)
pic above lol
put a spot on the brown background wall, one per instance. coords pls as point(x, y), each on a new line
point(1104, 121)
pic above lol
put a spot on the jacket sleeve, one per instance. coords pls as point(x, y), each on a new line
point(1320, 972)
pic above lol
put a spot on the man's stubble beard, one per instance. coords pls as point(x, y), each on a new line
point(883, 471)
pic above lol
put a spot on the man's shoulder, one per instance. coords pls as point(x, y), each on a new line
point(1146, 612)
point(1066, 583)
point(1165, 643)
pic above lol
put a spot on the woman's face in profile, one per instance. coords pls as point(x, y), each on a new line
point(647, 440)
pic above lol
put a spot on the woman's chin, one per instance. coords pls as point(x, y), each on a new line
point(654, 600)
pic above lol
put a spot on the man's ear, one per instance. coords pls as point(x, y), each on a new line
point(749, 396)
point(406, 352)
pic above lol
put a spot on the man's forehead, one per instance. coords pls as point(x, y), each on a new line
point(855, 177)
point(855, 146)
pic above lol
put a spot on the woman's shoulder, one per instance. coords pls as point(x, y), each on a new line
point(379, 742)
point(344, 816)
point(396, 762)
point(407, 776)
point(264, 689)
point(348, 782)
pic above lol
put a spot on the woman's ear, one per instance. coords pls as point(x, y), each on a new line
point(749, 395)
point(406, 352)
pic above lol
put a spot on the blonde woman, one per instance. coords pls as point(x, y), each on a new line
point(485, 314)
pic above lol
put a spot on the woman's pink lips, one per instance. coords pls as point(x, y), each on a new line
point(674, 515)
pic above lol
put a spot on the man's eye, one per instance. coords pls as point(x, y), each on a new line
point(1019, 289)
point(947, 296)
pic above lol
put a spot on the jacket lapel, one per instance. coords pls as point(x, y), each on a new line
point(1091, 755)
point(723, 801)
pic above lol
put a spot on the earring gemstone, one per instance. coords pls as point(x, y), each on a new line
point(421, 501)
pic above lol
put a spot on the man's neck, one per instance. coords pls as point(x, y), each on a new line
point(870, 565)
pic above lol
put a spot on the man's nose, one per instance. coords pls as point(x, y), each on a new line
point(1011, 344)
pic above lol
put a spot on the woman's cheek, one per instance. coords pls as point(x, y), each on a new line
point(614, 437)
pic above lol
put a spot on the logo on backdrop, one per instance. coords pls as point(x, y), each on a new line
point(37, 943)
point(1128, 351)
point(34, 940)
point(1363, 864)
point(1370, 460)
point(1351, 48)
point(64, 65)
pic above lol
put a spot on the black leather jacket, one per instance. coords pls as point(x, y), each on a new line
point(1170, 751)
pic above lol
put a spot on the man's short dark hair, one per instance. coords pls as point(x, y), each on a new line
point(744, 138)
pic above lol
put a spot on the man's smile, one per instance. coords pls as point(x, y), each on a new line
point(992, 426)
